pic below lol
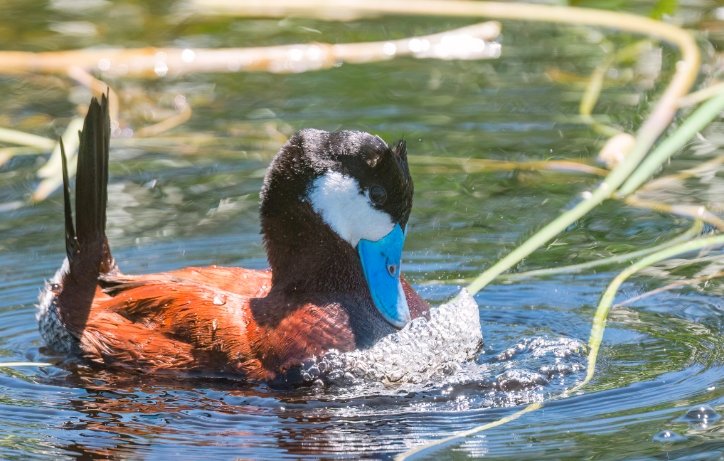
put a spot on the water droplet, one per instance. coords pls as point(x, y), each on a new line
point(219, 300)
point(667, 436)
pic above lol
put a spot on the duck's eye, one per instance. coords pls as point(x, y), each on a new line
point(378, 195)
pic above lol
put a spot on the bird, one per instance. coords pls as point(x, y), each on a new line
point(334, 211)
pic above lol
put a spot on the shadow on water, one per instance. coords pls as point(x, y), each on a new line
point(174, 204)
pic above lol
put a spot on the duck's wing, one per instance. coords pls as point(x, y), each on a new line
point(249, 283)
point(161, 321)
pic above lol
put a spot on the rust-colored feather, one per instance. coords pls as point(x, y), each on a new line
point(200, 318)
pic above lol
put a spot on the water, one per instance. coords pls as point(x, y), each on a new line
point(189, 196)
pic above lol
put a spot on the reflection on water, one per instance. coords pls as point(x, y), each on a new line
point(189, 197)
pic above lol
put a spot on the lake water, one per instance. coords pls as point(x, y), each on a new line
point(189, 196)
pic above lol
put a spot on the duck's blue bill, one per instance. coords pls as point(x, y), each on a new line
point(381, 267)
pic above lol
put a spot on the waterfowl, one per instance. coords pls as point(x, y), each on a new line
point(334, 211)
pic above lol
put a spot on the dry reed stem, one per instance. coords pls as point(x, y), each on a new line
point(162, 62)
point(654, 125)
point(663, 182)
point(25, 139)
point(702, 95)
point(182, 115)
point(689, 211)
point(477, 165)
point(97, 87)
point(676, 284)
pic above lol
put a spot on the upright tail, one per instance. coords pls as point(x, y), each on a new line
point(66, 302)
point(85, 242)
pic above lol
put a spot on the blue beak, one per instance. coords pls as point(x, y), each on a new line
point(381, 268)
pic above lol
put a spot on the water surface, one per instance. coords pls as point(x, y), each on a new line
point(190, 196)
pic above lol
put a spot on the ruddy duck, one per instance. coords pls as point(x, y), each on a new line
point(334, 210)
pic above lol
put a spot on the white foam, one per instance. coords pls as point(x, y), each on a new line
point(423, 351)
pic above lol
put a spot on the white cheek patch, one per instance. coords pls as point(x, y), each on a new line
point(337, 199)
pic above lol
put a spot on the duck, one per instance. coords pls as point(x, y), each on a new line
point(334, 211)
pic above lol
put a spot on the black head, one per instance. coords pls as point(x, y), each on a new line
point(326, 191)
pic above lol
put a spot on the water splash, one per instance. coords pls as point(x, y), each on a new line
point(443, 353)
point(423, 351)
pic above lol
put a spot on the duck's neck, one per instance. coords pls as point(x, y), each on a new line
point(307, 257)
point(310, 264)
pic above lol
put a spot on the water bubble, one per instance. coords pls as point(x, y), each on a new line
point(667, 436)
point(313, 372)
point(519, 379)
point(701, 414)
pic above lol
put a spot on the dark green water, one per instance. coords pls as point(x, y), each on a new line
point(189, 196)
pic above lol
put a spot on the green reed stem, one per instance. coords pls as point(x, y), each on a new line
point(692, 232)
point(607, 188)
point(436, 445)
point(694, 123)
point(594, 342)
point(558, 225)
point(604, 305)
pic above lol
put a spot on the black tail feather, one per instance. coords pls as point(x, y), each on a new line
point(85, 243)
point(92, 174)
point(71, 242)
